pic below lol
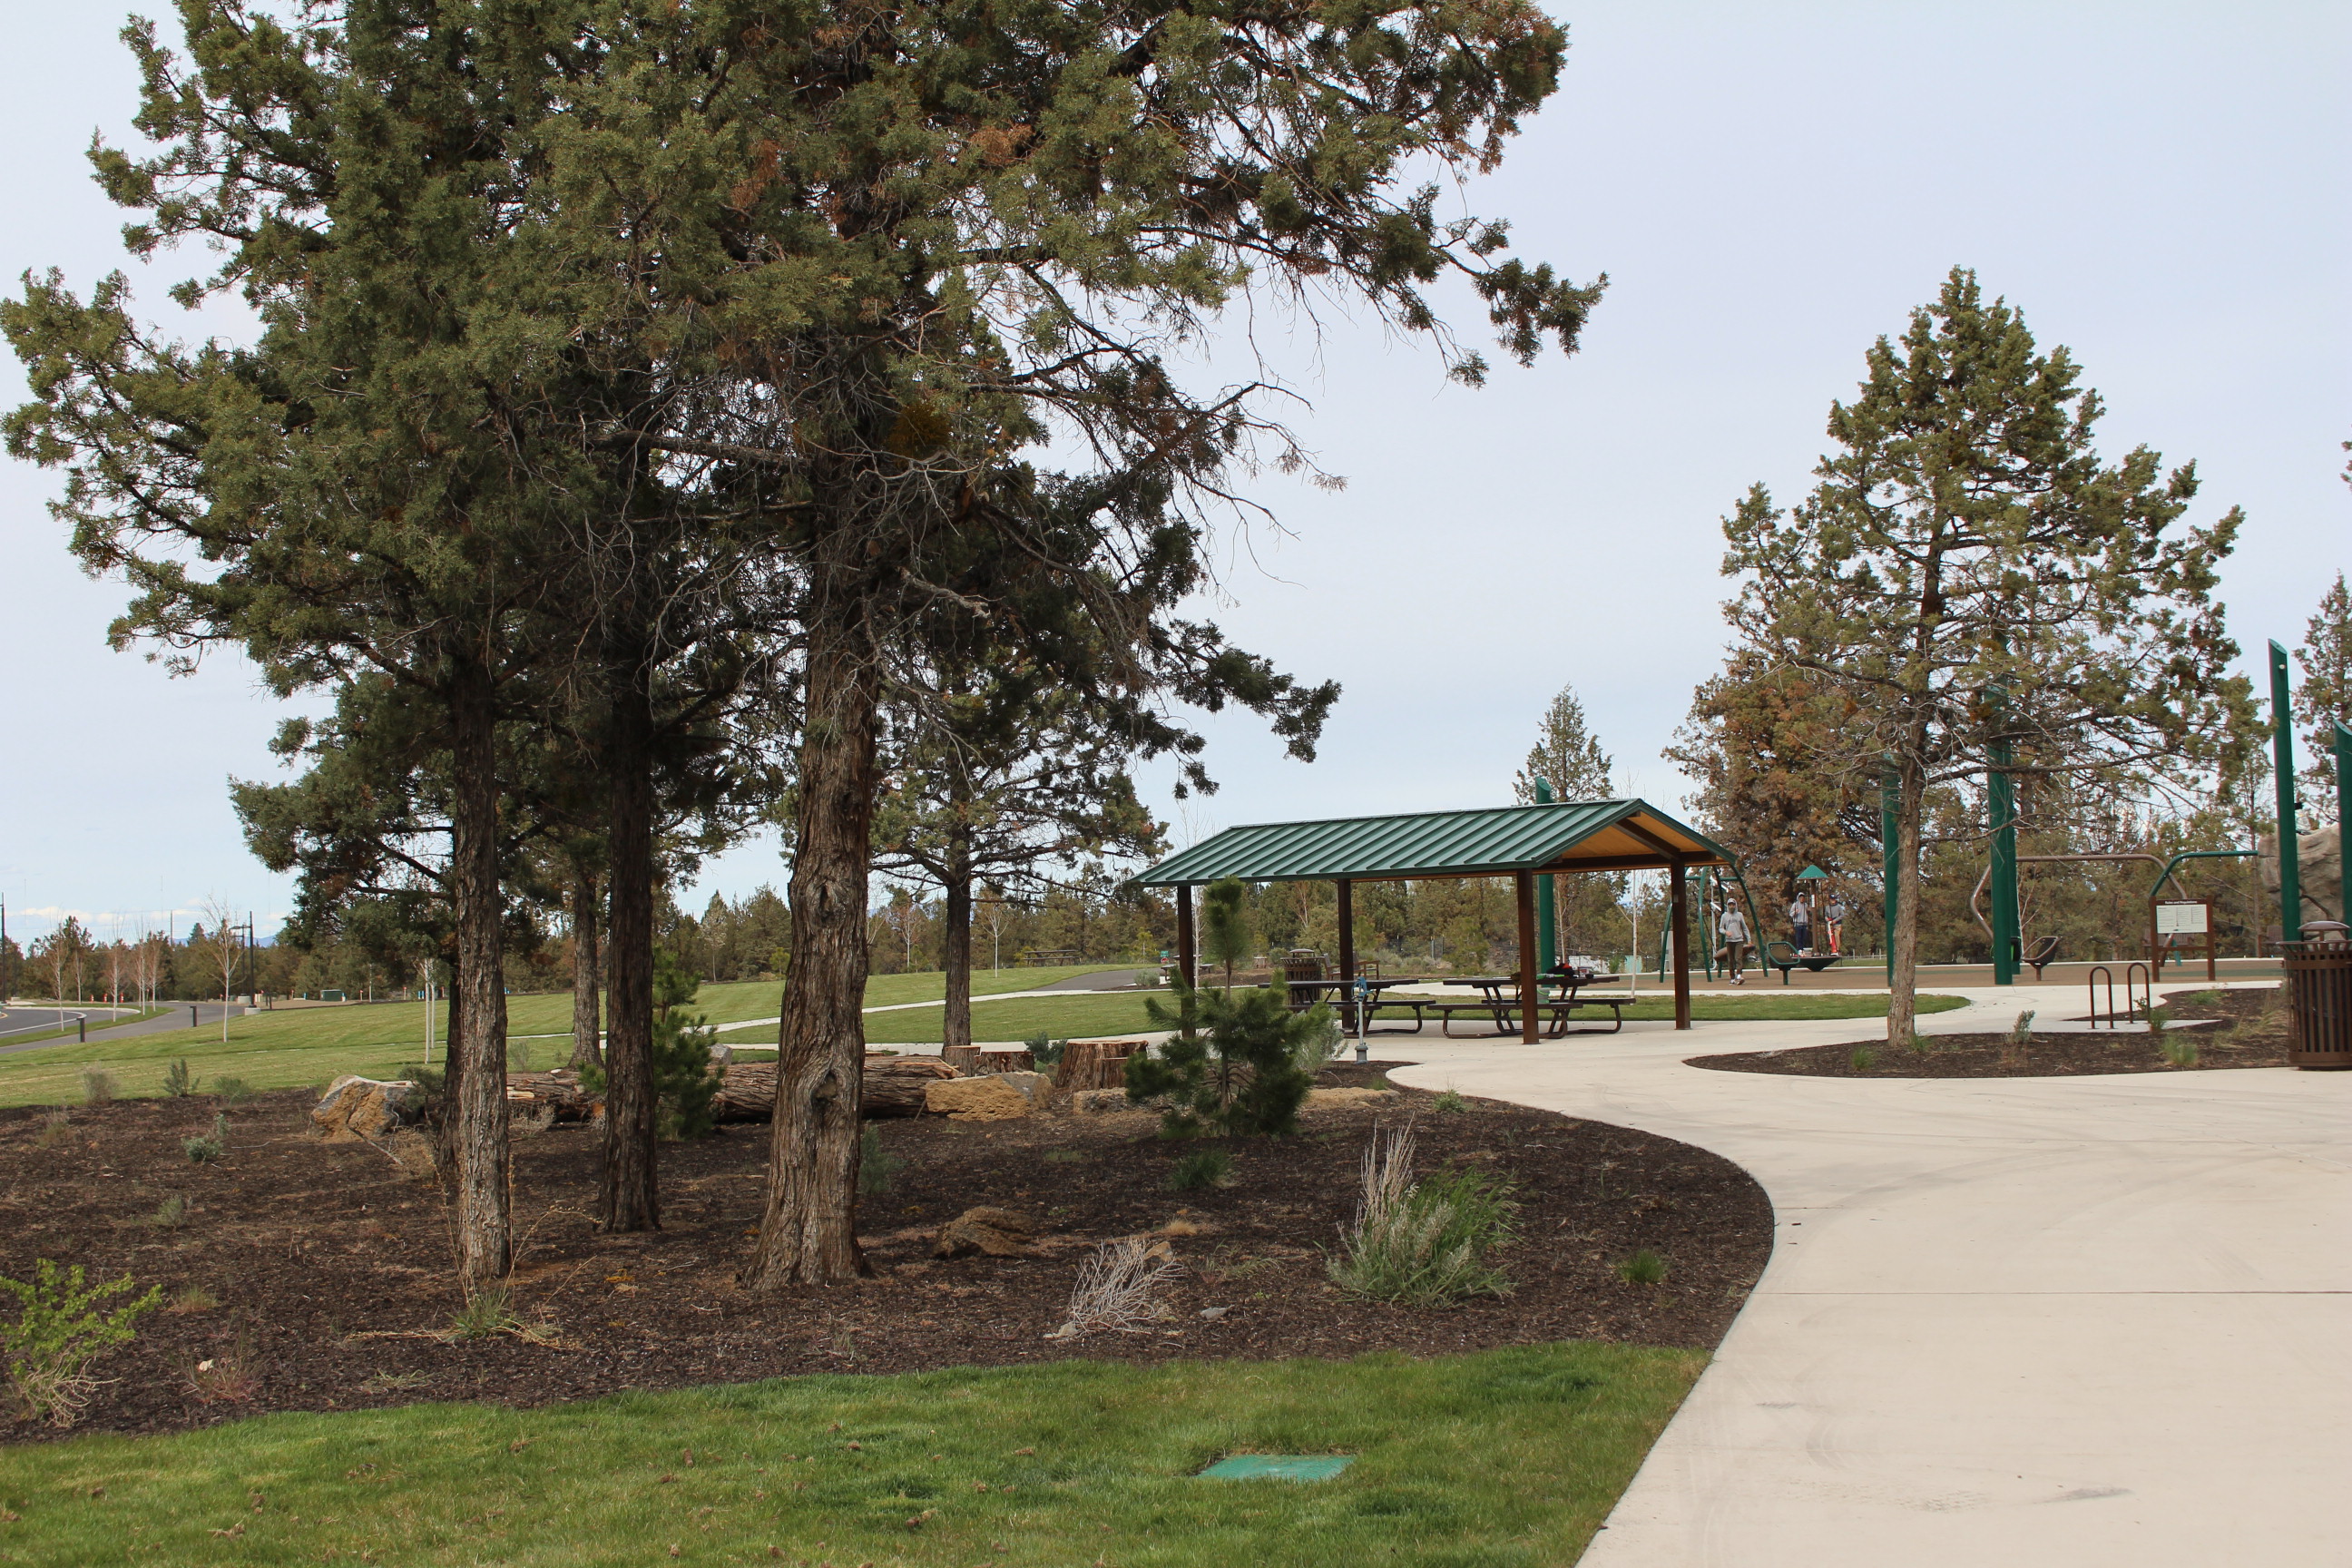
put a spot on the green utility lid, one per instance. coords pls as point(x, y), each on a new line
point(1277, 1467)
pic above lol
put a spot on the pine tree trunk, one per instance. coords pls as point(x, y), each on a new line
point(1902, 1000)
point(629, 1199)
point(957, 957)
point(485, 1239)
point(453, 1075)
point(808, 1234)
point(587, 985)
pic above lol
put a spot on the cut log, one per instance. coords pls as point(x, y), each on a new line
point(1093, 1064)
point(1004, 1061)
point(965, 1059)
point(558, 1091)
point(894, 1087)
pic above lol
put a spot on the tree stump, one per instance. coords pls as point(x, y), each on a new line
point(965, 1059)
point(1093, 1064)
point(1004, 1061)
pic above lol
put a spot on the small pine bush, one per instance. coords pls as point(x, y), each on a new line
point(876, 1167)
point(232, 1090)
point(178, 1082)
point(1450, 1102)
point(1201, 1169)
point(97, 1086)
point(1237, 1064)
point(203, 1148)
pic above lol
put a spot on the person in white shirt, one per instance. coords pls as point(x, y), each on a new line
point(1801, 923)
point(1734, 951)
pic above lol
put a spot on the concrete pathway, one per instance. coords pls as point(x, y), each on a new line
point(2080, 1322)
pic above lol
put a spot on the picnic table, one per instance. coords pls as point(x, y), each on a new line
point(1501, 1000)
point(1305, 994)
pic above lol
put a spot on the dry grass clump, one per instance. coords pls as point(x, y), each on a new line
point(1119, 1286)
point(1423, 1242)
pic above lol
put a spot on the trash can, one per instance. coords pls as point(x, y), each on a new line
point(2319, 1003)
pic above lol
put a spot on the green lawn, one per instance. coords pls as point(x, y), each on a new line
point(1488, 1460)
point(287, 1047)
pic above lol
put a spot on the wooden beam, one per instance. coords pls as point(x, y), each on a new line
point(1346, 953)
point(1186, 949)
point(1525, 887)
point(1679, 897)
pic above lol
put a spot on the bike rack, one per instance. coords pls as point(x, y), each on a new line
point(2136, 1005)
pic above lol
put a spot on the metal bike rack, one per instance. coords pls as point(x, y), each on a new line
point(2137, 1005)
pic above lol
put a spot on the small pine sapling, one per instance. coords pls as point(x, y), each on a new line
point(1224, 925)
point(1234, 1064)
point(684, 1083)
point(876, 1167)
point(178, 1082)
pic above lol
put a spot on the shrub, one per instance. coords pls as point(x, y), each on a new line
point(1450, 1101)
point(97, 1086)
point(1118, 1288)
point(203, 1148)
point(194, 1299)
point(2159, 1019)
point(1201, 1169)
point(1234, 1065)
point(2178, 1046)
point(170, 1213)
point(1045, 1050)
point(488, 1312)
point(1423, 1242)
point(178, 1082)
point(1644, 1267)
point(227, 1377)
point(1921, 1044)
point(58, 1332)
point(55, 1127)
point(1862, 1058)
point(876, 1164)
point(2022, 1032)
point(232, 1090)
point(684, 1083)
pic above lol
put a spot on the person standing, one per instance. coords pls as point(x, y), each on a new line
point(1801, 922)
point(1734, 929)
point(1834, 923)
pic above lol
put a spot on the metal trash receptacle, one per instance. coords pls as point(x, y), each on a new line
point(2319, 1004)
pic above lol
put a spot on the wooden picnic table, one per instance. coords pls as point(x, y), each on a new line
point(1502, 999)
point(1306, 992)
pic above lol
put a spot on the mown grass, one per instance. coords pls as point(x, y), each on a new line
point(288, 1048)
point(1494, 1459)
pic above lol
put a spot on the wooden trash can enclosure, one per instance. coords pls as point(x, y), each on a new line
point(2319, 1002)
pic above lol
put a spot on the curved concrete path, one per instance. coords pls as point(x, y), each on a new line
point(2072, 1322)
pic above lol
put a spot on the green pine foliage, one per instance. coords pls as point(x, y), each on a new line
point(1225, 926)
point(1238, 1064)
point(684, 1081)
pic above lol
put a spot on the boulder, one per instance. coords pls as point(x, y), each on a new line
point(988, 1099)
point(2320, 875)
point(990, 1232)
point(362, 1110)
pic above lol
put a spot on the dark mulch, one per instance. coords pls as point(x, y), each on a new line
point(2249, 1032)
point(331, 1267)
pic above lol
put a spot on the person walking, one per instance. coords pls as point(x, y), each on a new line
point(1734, 930)
point(1801, 922)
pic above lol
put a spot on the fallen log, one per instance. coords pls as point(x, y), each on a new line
point(558, 1092)
point(894, 1087)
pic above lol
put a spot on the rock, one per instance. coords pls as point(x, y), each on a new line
point(361, 1110)
point(1333, 1099)
point(988, 1099)
point(990, 1232)
point(1100, 1101)
point(1037, 1086)
point(1213, 1313)
point(2321, 873)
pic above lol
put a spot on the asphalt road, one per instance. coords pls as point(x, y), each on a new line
point(47, 1017)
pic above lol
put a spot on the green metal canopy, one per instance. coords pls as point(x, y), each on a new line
point(1560, 835)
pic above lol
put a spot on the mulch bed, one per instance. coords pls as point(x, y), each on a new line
point(333, 1277)
point(2250, 1031)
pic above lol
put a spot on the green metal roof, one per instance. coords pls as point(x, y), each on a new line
point(1561, 835)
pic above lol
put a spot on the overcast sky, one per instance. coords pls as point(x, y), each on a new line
point(2162, 188)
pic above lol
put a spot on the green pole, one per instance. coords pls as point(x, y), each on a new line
point(2001, 793)
point(1547, 938)
point(1890, 803)
point(2343, 789)
point(2289, 854)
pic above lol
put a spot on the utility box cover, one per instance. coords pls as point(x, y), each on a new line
point(1279, 1466)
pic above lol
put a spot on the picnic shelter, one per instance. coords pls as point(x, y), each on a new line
point(1521, 842)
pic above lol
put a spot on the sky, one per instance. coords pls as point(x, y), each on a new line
point(2160, 187)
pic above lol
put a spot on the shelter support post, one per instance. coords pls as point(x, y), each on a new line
point(1525, 887)
point(1186, 949)
point(2000, 792)
point(1678, 913)
point(1547, 902)
point(1347, 1020)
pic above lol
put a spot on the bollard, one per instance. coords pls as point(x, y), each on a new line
point(192, 1015)
point(82, 1031)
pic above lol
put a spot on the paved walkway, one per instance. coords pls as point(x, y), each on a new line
point(2074, 1322)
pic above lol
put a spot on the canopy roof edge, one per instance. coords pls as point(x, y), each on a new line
point(1556, 835)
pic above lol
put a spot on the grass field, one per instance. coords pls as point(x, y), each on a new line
point(283, 1049)
point(1496, 1459)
